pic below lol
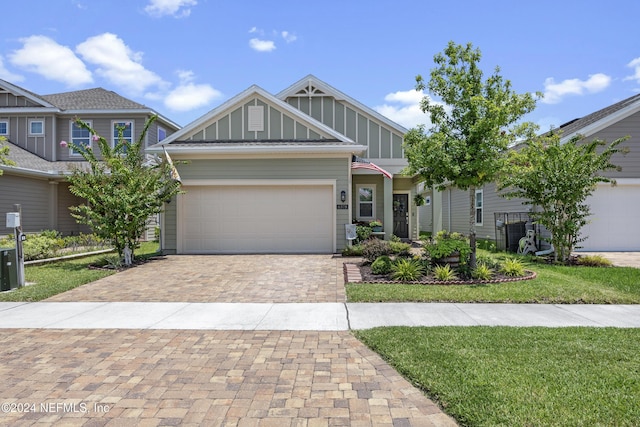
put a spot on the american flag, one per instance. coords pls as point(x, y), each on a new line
point(360, 163)
point(174, 172)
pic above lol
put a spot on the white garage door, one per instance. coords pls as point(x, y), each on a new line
point(257, 219)
point(615, 220)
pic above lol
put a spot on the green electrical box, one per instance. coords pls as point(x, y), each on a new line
point(8, 269)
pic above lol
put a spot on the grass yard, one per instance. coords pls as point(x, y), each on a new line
point(52, 279)
point(501, 376)
point(554, 284)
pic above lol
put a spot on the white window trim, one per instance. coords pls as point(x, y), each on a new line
point(31, 121)
point(373, 201)
point(8, 130)
point(481, 207)
point(114, 133)
point(71, 123)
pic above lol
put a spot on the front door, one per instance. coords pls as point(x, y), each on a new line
point(401, 215)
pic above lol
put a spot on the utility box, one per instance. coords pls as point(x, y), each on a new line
point(8, 269)
point(13, 219)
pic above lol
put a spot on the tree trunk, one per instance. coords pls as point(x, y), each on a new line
point(472, 227)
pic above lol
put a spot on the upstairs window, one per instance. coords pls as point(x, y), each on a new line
point(36, 127)
point(162, 134)
point(80, 137)
point(122, 130)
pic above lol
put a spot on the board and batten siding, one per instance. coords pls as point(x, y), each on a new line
point(32, 194)
point(267, 169)
point(40, 145)
point(234, 125)
point(382, 141)
point(9, 100)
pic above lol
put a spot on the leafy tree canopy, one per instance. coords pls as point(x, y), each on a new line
point(472, 127)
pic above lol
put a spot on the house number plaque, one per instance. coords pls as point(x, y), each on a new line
point(342, 206)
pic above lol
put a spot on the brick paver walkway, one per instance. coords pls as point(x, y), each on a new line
point(193, 378)
point(224, 278)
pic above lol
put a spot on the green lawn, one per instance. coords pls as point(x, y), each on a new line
point(501, 376)
point(554, 284)
point(52, 279)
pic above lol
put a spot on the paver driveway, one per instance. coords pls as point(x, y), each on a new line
point(223, 278)
point(129, 377)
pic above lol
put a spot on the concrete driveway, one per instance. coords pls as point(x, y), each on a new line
point(222, 278)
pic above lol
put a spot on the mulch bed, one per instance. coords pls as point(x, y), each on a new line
point(368, 277)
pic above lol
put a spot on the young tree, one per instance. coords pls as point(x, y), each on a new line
point(467, 144)
point(120, 190)
point(557, 178)
point(4, 153)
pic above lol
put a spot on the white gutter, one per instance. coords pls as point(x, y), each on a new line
point(267, 148)
point(34, 172)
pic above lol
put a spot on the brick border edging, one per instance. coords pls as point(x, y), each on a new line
point(352, 275)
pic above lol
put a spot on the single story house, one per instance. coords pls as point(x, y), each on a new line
point(614, 222)
point(286, 173)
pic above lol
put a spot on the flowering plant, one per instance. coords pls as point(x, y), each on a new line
point(376, 223)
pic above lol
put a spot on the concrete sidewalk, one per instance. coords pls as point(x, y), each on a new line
point(305, 316)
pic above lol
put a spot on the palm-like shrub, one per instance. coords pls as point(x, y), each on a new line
point(407, 270)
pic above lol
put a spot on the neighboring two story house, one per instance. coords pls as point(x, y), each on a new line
point(285, 173)
point(34, 126)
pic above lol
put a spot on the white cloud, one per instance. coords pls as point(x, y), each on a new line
point(635, 64)
point(188, 95)
point(118, 63)
point(288, 37)
point(8, 75)
point(403, 107)
point(554, 92)
point(44, 56)
point(262, 45)
point(175, 8)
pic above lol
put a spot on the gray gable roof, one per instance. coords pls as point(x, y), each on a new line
point(593, 122)
point(92, 99)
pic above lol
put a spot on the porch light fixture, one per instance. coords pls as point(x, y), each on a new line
point(343, 196)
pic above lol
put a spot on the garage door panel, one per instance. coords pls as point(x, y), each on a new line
point(258, 219)
point(613, 223)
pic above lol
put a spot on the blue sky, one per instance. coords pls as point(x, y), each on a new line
point(185, 57)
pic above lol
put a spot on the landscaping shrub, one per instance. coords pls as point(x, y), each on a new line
point(382, 265)
point(488, 261)
point(446, 244)
point(400, 248)
point(444, 273)
point(354, 250)
point(594, 261)
point(482, 272)
point(407, 270)
point(512, 267)
point(374, 248)
point(363, 232)
point(41, 246)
